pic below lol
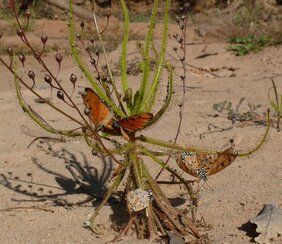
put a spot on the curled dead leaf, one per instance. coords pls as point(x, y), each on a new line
point(269, 224)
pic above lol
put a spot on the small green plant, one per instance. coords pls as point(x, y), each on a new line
point(234, 114)
point(276, 105)
point(241, 46)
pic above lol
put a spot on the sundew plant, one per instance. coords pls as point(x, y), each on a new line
point(113, 114)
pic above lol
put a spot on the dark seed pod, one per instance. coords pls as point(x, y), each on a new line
point(108, 13)
point(86, 111)
point(1, 35)
point(93, 61)
point(10, 51)
point(175, 49)
point(177, 20)
point(20, 32)
point(92, 40)
point(48, 78)
point(31, 74)
point(27, 14)
point(82, 25)
point(186, 7)
point(44, 38)
point(22, 58)
point(59, 58)
point(73, 78)
point(60, 95)
point(94, 152)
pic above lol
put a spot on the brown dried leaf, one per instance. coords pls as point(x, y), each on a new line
point(269, 224)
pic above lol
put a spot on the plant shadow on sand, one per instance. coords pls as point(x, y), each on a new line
point(85, 179)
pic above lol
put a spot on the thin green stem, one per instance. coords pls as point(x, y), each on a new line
point(146, 61)
point(176, 147)
point(150, 98)
point(262, 140)
point(167, 100)
point(278, 111)
point(275, 92)
point(124, 47)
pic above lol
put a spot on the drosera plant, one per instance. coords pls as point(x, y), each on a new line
point(110, 112)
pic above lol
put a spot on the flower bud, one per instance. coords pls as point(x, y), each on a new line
point(48, 78)
point(44, 38)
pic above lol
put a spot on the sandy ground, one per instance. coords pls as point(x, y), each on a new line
point(38, 194)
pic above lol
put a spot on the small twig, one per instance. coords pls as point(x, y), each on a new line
point(174, 182)
point(24, 208)
point(47, 138)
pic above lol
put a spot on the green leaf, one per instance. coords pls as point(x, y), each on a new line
point(136, 98)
